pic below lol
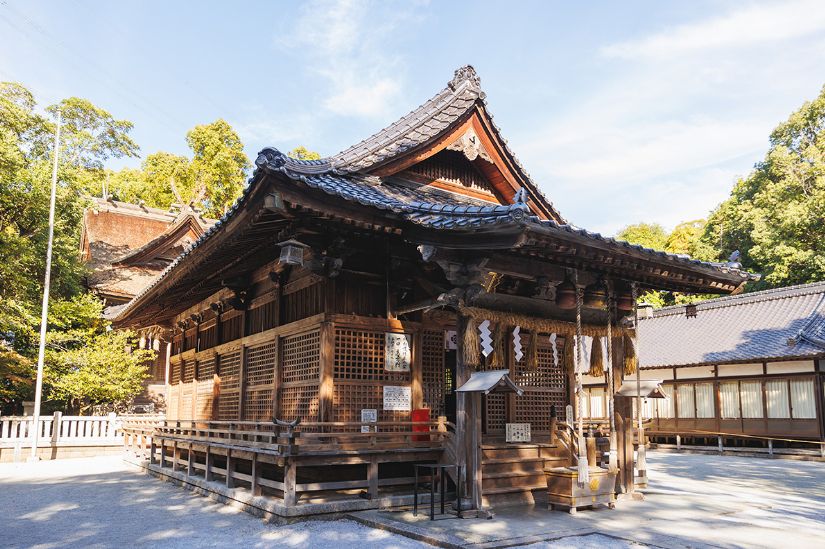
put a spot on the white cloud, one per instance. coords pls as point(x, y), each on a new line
point(350, 44)
point(753, 25)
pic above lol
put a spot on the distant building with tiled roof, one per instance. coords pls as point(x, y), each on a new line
point(751, 364)
point(125, 246)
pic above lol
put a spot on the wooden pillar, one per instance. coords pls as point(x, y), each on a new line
point(326, 381)
point(417, 372)
point(230, 465)
point(256, 470)
point(210, 462)
point(625, 482)
point(290, 477)
point(277, 379)
point(242, 382)
point(190, 465)
point(462, 375)
point(372, 475)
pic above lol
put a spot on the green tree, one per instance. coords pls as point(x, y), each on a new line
point(649, 235)
point(301, 153)
point(87, 371)
point(89, 135)
point(212, 179)
point(776, 215)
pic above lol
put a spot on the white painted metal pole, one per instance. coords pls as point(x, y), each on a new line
point(45, 314)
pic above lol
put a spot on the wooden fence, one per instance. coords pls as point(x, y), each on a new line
point(70, 430)
point(265, 456)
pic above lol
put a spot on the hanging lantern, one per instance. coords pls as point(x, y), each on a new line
point(595, 296)
point(566, 294)
point(624, 301)
point(292, 252)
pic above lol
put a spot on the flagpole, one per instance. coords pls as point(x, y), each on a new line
point(45, 314)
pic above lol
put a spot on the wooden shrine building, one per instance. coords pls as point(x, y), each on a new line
point(328, 294)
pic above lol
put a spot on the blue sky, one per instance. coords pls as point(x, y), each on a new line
point(620, 111)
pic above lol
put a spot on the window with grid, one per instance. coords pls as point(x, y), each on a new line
point(299, 402)
point(496, 406)
point(174, 374)
point(432, 375)
point(203, 404)
point(229, 398)
point(188, 367)
point(545, 386)
point(300, 358)
point(351, 398)
point(172, 405)
point(260, 376)
point(206, 369)
point(359, 356)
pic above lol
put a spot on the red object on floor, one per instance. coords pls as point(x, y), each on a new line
point(421, 415)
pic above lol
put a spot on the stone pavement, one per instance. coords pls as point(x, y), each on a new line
point(693, 501)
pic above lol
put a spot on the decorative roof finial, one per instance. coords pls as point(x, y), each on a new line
point(465, 73)
point(733, 261)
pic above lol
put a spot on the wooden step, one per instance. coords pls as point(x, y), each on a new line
point(510, 480)
point(512, 489)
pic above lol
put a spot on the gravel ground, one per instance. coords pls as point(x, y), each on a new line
point(100, 502)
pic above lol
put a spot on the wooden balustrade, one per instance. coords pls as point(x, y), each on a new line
point(266, 456)
point(59, 428)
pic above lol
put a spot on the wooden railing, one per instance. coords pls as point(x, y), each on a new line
point(211, 448)
point(60, 428)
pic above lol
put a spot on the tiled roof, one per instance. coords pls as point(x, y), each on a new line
point(417, 128)
point(772, 324)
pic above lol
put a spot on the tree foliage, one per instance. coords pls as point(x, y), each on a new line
point(776, 215)
point(211, 180)
point(649, 235)
point(301, 153)
point(89, 136)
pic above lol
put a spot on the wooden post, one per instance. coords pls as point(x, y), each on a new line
point(326, 381)
point(277, 379)
point(462, 374)
point(591, 451)
point(152, 452)
point(56, 427)
point(210, 461)
point(162, 454)
point(242, 381)
point(625, 482)
point(417, 371)
point(373, 475)
point(230, 465)
point(290, 476)
point(256, 488)
point(175, 455)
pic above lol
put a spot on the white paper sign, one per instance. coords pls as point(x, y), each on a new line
point(397, 398)
point(397, 353)
point(486, 340)
point(368, 415)
point(450, 340)
point(517, 432)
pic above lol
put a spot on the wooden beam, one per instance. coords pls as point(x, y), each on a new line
point(417, 371)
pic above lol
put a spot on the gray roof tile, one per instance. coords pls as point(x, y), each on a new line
point(779, 323)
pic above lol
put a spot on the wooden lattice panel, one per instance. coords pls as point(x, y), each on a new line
point(188, 370)
point(496, 405)
point(534, 406)
point(174, 372)
point(260, 376)
point(432, 376)
point(299, 402)
point(300, 358)
point(351, 398)
point(359, 356)
point(172, 404)
point(229, 399)
point(186, 396)
point(206, 369)
point(203, 405)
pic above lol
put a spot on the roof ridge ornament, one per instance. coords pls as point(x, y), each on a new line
point(271, 158)
point(465, 74)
